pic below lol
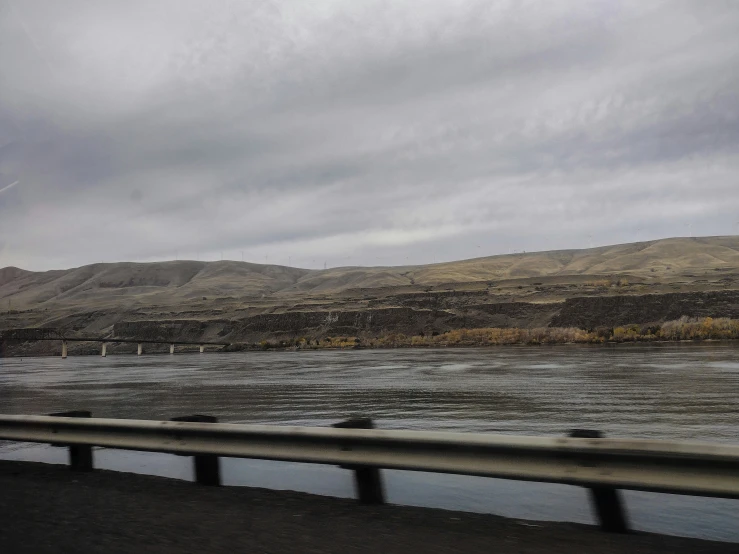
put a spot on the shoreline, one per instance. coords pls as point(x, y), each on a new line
point(400, 347)
point(48, 508)
point(684, 329)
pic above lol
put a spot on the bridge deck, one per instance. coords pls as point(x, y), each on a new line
point(48, 334)
point(139, 341)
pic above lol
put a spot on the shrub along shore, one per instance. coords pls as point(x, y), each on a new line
point(683, 329)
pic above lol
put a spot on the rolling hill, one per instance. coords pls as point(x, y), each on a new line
point(163, 281)
point(245, 301)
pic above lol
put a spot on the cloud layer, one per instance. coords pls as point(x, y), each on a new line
point(372, 132)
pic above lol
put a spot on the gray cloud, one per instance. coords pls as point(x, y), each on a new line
point(362, 132)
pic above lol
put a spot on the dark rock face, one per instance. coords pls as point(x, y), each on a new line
point(319, 323)
point(514, 314)
point(165, 330)
point(582, 312)
point(589, 312)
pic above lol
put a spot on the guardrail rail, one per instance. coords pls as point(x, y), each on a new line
point(603, 465)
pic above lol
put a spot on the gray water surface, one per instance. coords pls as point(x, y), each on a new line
point(667, 391)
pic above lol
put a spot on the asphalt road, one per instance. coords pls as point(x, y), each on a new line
point(45, 508)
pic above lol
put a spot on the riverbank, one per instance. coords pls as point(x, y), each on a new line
point(232, 349)
point(46, 508)
point(682, 330)
point(426, 345)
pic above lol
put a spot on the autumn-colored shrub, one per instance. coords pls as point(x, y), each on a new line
point(682, 329)
point(700, 329)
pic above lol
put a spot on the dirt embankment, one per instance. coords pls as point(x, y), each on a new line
point(48, 509)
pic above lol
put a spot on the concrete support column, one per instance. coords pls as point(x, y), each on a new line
point(171, 348)
point(202, 348)
point(64, 349)
point(140, 349)
point(104, 353)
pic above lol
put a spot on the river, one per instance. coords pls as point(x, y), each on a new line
point(664, 391)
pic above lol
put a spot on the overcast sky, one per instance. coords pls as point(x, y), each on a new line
point(361, 132)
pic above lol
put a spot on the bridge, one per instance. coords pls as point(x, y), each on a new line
point(55, 334)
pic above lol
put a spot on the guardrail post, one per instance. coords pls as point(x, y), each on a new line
point(80, 455)
point(607, 501)
point(367, 480)
point(207, 466)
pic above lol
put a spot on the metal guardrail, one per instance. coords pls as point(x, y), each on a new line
point(597, 463)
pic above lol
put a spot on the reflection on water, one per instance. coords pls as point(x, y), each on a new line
point(648, 391)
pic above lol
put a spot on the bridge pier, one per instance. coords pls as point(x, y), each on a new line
point(202, 348)
point(171, 348)
point(64, 350)
point(104, 353)
point(141, 350)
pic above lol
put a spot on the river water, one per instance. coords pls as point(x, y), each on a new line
point(666, 391)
